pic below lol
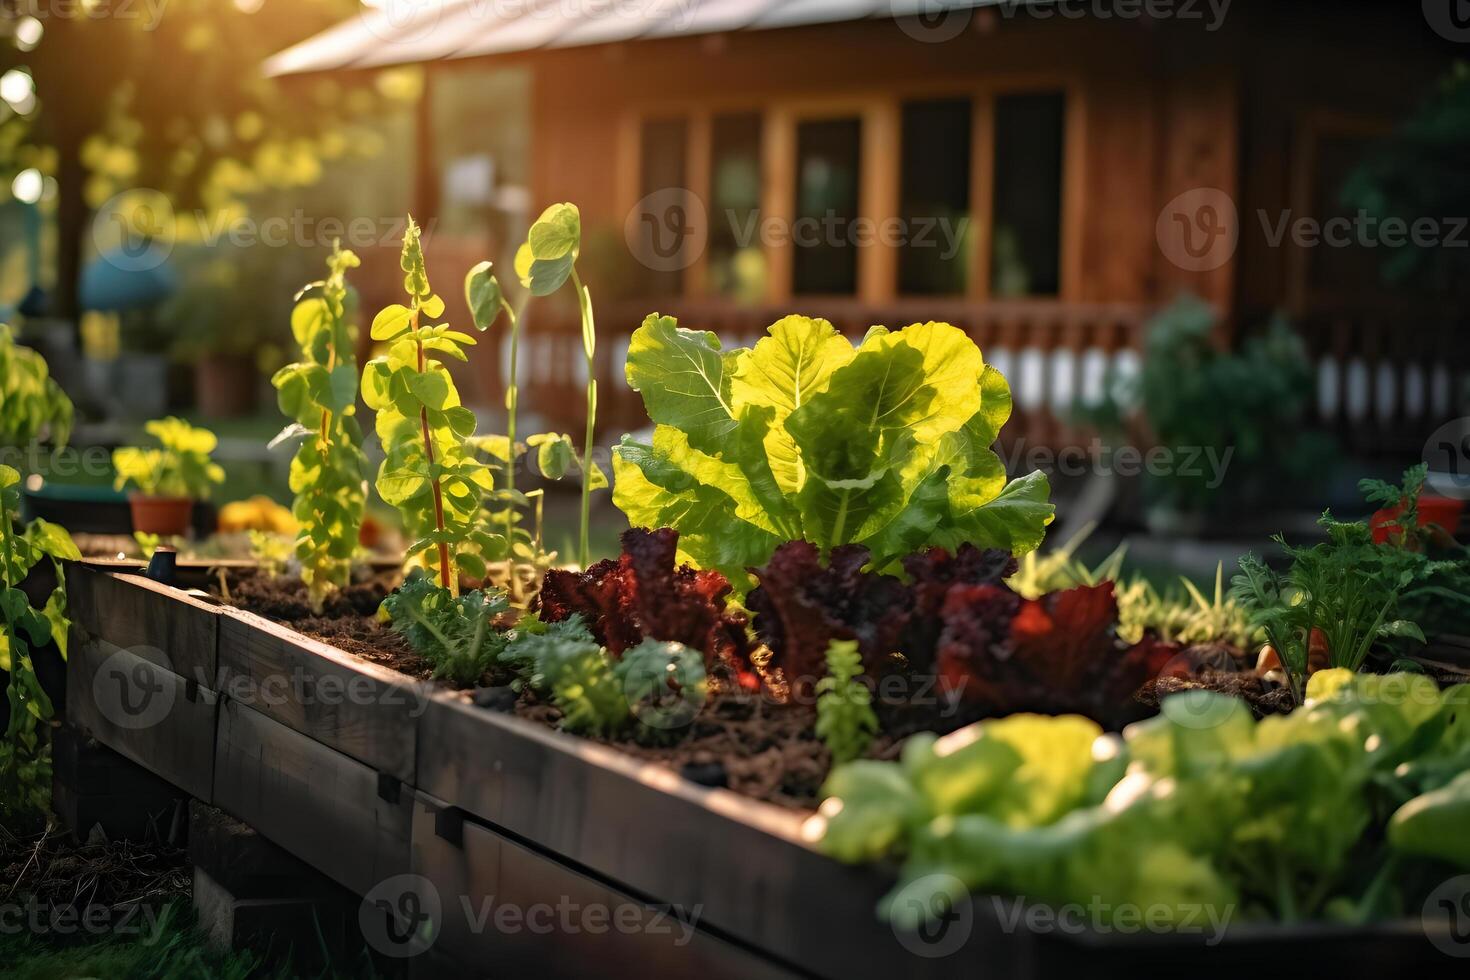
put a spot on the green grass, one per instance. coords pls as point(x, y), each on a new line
point(174, 951)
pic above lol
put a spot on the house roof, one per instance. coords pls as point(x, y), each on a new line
point(397, 32)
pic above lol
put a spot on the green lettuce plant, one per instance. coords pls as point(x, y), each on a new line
point(32, 404)
point(25, 766)
point(886, 444)
point(319, 393)
point(430, 472)
point(179, 466)
point(1334, 811)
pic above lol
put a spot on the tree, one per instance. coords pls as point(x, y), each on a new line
point(107, 96)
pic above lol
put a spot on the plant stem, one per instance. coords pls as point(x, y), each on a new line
point(589, 339)
point(444, 580)
point(512, 397)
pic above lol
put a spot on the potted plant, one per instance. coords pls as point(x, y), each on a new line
point(206, 328)
point(169, 477)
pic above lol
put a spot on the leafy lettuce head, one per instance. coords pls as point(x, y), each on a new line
point(805, 436)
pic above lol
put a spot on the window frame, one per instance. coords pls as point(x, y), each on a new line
point(880, 112)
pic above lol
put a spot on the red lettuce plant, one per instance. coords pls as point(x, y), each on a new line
point(1056, 654)
point(801, 606)
point(955, 618)
point(644, 594)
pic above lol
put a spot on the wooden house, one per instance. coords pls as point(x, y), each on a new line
point(1045, 175)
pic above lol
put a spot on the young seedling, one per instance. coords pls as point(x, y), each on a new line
point(546, 261)
point(486, 301)
point(845, 719)
point(430, 472)
point(320, 393)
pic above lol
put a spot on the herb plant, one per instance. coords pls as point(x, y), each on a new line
point(664, 683)
point(845, 719)
point(457, 633)
point(319, 393)
point(179, 466)
point(805, 436)
point(25, 768)
point(32, 404)
point(430, 471)
point(1347, 588)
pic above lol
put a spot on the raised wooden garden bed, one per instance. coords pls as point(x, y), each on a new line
point(369, 776)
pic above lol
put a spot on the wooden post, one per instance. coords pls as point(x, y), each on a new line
point(878, 203)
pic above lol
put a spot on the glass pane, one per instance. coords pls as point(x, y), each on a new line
point(662, 156)
point(934, 200)
point(827, 172)
point(737, 265)
point(1026, 240)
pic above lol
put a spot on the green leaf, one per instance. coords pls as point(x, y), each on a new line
point(391, 321)
point(784, 370)
point(309, 318)
point(341, 388)
point(433, 307)
point(482, 293)
point(557, 233)
point(685, 380)
point(433, 389)
point(53, 539)
point(555, 454)
point(1014, 520)
point(542, 276)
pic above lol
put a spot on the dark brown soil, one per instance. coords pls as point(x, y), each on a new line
point(348, 619)
point(1264, 698)
point(751, 744)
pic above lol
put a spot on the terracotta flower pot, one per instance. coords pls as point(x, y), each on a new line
point(166, 516)
point(1442, 511)
point(225, 385)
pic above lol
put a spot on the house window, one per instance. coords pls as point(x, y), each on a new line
point(934, 199)
point(737, 262)
point(824, 258)
point(1026, 229)
point(663, 146)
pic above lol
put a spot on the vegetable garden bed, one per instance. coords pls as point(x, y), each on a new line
point(369, 775)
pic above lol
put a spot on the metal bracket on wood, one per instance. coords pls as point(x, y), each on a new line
point(389, 787)
point(449, 825)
